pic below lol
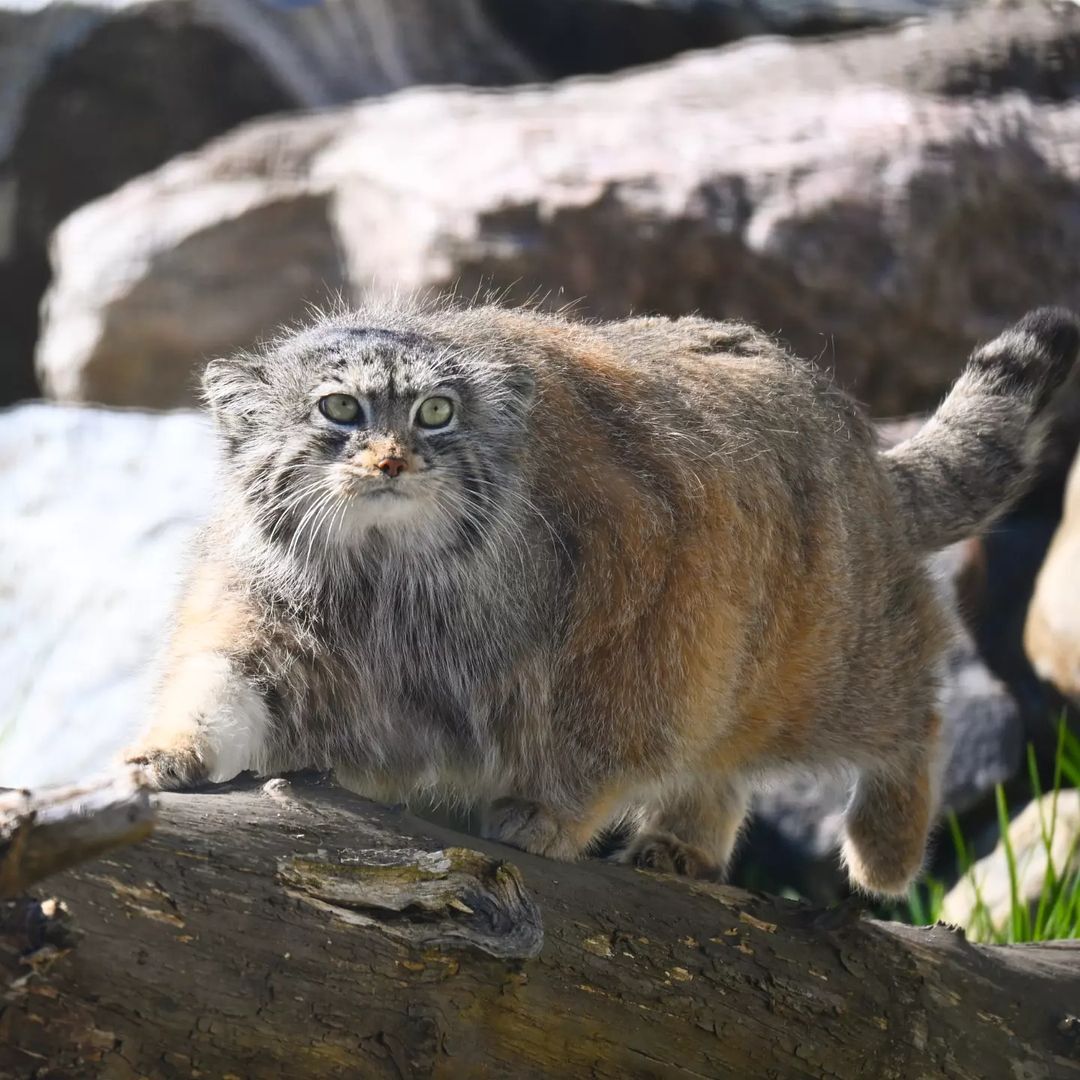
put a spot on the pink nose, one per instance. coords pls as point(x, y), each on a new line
point(392, 466)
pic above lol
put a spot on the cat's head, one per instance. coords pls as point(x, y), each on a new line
point(350, 426)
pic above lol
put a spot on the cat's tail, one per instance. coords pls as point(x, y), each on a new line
point(975, 456)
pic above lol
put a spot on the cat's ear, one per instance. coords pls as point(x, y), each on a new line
point(231, 389)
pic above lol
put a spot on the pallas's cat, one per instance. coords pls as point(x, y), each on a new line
point(569, 570)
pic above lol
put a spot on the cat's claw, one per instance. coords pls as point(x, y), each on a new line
point(170, 769)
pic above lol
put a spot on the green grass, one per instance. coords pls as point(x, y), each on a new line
point(1057, 913)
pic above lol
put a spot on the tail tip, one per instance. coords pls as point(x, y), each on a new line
point(1056, 329)
point(1034, 355)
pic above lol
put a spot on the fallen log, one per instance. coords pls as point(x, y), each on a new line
point(293, 930)
point(43, 835)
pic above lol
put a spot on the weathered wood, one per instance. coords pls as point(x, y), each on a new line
point(298, 931)
point(43, 835)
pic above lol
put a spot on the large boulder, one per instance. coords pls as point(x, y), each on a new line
point(96, 93)
point(815, 188)
point(215, 267)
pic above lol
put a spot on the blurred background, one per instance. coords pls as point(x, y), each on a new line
point(881, 183)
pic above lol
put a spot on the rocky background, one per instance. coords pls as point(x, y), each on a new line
point(881, 183)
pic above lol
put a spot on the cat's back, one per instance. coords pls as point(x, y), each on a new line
point(735, 375)
point(694, 375)
point(721, 393)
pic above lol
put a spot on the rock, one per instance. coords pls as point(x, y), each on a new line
point(1052, 634)
point(99, 507)
point(92, 95)
point(792, 841)
point(988, 880)
point(95, 94)
point(216, 262)
point(984, 729)
point(812, 188)
point(1006, 561)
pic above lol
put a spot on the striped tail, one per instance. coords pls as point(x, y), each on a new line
point(976, 455)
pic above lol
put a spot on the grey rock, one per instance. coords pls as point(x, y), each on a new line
point(94, 93)
point(98, 509)
point(984, 50)
point(875, 227)
point(984, 728)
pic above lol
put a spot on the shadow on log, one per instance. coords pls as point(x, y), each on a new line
point(293, 930)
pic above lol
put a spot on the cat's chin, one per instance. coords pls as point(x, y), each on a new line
point(383, 509)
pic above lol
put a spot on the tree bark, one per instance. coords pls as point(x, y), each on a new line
point(292, 930)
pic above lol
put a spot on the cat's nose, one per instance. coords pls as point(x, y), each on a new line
point(391, 466)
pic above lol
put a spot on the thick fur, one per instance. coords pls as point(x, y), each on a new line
point(649, 562)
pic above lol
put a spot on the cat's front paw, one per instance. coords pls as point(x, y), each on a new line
point(532, 827)
point(169, 768)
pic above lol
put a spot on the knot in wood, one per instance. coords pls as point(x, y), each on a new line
point(449, 898)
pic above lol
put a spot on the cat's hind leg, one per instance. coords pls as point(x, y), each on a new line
point(889, 817)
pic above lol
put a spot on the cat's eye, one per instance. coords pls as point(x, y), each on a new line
point(341, 408)
point(435, 412)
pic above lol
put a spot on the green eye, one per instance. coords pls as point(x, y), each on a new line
point(435, 412)
point(341, 408)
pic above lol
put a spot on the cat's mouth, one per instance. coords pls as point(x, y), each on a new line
point(368, 486)
point(382, 500)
